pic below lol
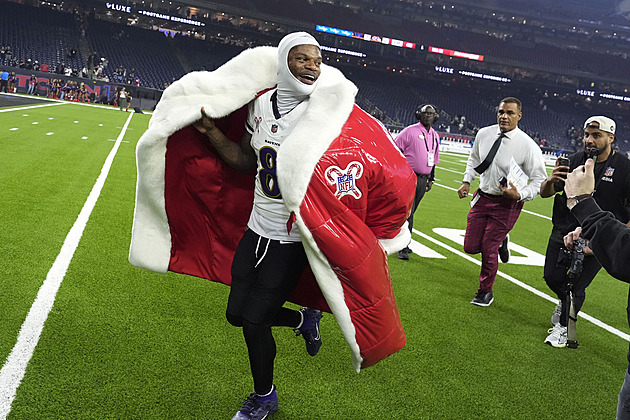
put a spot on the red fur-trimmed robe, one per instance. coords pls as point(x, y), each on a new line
point(339, 172)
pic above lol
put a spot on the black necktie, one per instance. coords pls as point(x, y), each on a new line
point(488, 160)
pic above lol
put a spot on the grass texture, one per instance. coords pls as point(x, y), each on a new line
point(123, 343)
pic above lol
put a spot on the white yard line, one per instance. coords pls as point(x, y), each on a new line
point(452, 170)
point(444, 186)
point(536, 214)
point(527, 287)
point(14, 367)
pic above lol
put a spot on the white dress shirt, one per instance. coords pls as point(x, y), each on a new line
point(515, 144)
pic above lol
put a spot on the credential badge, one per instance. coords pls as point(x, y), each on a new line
point(345, 179)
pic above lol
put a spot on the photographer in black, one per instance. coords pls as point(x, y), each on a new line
point(612, 193)
point(608, 238)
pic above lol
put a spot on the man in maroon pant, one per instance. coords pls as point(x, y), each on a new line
point(500, 151)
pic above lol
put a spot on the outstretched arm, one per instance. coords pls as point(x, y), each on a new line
point(547, 188)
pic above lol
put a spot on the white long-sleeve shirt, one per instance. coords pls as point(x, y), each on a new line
point(516, 144)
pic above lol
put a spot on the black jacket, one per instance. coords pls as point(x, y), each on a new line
point(608, 238)
point(612, 183)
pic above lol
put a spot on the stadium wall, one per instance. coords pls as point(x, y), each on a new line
point(144, 98)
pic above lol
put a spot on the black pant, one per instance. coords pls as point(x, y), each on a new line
point(264, 273)
point(421, 188)
point(557, 279)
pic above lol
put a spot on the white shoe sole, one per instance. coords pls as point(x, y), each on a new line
point(556, 345)
point(483, 304)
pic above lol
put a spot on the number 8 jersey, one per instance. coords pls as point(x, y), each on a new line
point(269, 215)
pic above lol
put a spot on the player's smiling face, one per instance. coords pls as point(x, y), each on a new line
point(304, 63)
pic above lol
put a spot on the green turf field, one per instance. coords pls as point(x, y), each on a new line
point(123, 343)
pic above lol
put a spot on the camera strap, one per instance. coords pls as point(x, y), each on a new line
point(490, 156)
point(572, 342)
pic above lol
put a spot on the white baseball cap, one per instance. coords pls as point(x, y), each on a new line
point(605, 123)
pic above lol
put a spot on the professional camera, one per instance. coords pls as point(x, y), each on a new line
point(573, 260)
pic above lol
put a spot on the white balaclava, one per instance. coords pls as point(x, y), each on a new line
point(290, 90)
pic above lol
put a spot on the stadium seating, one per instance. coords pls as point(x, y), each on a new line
point(299, 10)
point(205, 55)
point(41, 34)
point(150, 53)
point(45, 35)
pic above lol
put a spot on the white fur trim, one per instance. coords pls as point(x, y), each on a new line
point(398, 242)
point(332, 290)
point(220, 92)
point(151, 235)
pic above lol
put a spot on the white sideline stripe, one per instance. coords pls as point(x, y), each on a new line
point(14, 367)
point(39, 98)
point(30, 107)
point(527, 287)
point(61, 101)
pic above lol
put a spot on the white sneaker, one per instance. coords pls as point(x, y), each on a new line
point(557, 312)
point(558, 336)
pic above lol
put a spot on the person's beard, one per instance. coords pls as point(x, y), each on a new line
point(592, 151)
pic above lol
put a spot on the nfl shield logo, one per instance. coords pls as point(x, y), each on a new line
point(345, 180)
point(274, 128)
point(609, 171)
point(345, 184)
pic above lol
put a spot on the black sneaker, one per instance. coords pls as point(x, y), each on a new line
point(256, 407)
point(310, 330)
point(403, 254)
point(504, 250)
point(483, 299)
